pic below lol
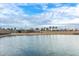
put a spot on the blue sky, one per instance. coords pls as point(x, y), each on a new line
point(33, 9)
point(38, 14)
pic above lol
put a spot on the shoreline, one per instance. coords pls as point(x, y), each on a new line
point(49, 33)
point(42, 33)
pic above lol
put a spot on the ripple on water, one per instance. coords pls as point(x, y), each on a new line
point(40, 45)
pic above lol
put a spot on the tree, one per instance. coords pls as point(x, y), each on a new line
point(50, 28)
point(19, 31)
point(37, 29)
point(42, 29)
point(30, 30)
point(47, 29)
point(15, 28)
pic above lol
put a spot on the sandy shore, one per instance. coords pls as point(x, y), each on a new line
point(49, 33)
point(43, 33)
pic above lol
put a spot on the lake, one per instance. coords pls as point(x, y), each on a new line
point(40, 45)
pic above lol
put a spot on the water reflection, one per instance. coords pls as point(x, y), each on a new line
point(40, 45)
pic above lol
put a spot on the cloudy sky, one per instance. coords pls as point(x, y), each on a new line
point(38, 14)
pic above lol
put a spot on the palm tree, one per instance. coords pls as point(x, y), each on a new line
point(37, 29)
point(47, 29)
point(53, 28)
point(50, 28)
point(42, 29)
point(15, 28)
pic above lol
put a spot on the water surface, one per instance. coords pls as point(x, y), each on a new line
point(41, 45)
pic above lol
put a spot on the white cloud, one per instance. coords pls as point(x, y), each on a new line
point(12, 15)
point(66, 21)
point(62, 15)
